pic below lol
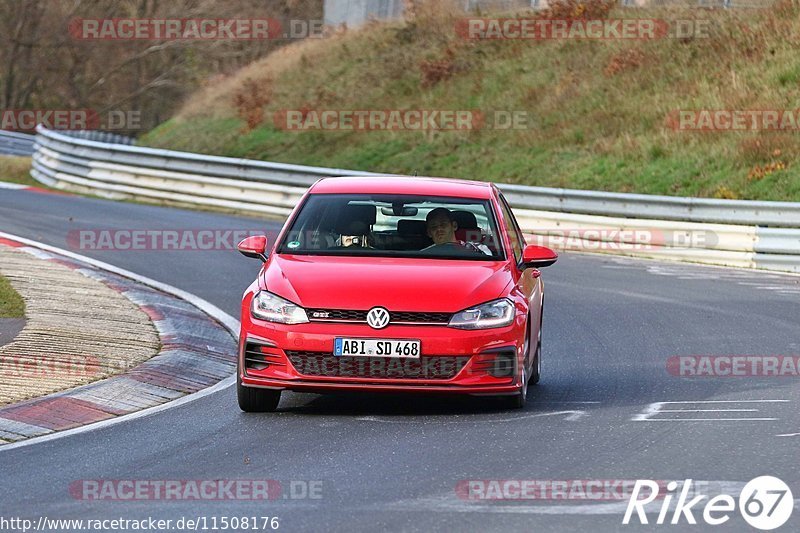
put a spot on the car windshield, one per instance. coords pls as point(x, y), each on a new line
point(384, 225)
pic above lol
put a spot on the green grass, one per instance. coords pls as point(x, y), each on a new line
point(16, 169)
point(599, 109)
point(11, 304)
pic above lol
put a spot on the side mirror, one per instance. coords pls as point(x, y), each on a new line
point(255, 247)
point(538, 256)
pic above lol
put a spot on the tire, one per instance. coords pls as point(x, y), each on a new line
point(519, 399)
point(536, 366)
point(253, 400)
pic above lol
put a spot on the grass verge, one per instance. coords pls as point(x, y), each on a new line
point(11, 304)
point(16, 169)
point(599, 112)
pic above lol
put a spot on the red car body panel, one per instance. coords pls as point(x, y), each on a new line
point(416, 186)
point(398, 284)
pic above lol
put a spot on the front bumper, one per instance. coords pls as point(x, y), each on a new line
point(463, 362)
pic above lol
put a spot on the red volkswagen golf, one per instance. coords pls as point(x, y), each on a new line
point(394, 284)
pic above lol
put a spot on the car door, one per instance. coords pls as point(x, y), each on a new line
point(528, 281)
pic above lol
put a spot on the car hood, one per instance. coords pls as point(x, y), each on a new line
point(399, 284)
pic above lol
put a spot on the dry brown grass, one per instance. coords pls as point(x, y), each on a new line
point(16, 169)
point(250, 101)
point(578, 9)
point(601, 110)
point(215, 100)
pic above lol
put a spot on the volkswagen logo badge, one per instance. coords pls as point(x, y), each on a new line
point(378, 318)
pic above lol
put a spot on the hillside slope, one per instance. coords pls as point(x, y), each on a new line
point(601, 113)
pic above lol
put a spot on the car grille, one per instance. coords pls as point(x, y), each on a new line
point(336, 314)
point(396, 317)
point(326, 364)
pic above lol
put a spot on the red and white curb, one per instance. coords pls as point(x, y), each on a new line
point(198, 353)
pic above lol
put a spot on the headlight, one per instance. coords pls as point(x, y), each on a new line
point(494, 314)
point(273, 308)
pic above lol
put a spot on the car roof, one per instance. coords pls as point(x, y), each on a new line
point(403, 185)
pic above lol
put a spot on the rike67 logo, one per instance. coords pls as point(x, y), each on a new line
point(765, 503)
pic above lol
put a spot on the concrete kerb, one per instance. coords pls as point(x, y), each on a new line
point(197, 357)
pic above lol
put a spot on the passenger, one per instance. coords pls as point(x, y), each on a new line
point(356, 234)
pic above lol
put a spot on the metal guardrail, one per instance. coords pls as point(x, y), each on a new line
point(101, 136)
point(728, 232)
point(777, 214)
point(13, 143)
point(186, 162)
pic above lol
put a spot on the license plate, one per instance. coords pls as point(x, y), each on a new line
point(376, 348)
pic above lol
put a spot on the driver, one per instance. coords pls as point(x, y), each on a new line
point(441, 228)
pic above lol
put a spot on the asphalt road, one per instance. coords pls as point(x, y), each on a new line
point(393, 462)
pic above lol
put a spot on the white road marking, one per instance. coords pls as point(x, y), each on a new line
point(729, 401)
point(450, 503)
point(4, 185)
point(572, 416)
point(656, 408)
point(784, 283)
point(230, 323)
point(708, 410)
point(553, 509)
point(765, 419)
point(542, 402)
point(789, 435)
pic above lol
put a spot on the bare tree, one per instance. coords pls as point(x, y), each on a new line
point(42, 65)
